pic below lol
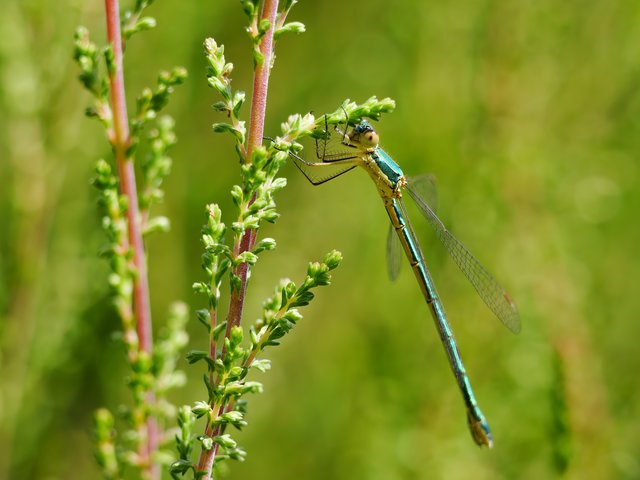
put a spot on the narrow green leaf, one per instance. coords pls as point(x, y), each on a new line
point(196, 355)
point(291, 27)
point(261, 364)
point(181, 467)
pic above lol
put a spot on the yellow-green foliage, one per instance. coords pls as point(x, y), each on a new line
point(528, 113)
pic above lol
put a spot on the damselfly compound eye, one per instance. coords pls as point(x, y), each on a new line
point(366, 135)
point(370, 139)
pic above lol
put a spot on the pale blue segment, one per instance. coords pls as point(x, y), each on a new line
point(390, 168)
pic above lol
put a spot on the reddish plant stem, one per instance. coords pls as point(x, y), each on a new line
point(120, 141)
point(261, 81)
point(213, 320)
point(247, 241)
point(254, 139)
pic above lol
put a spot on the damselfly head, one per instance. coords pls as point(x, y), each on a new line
point(364, 134)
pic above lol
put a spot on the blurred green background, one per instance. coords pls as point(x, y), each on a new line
point(528, 113)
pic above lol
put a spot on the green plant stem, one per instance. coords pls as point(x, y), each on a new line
point(247, 241)
point(120, 141)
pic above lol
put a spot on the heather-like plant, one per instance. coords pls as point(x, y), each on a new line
point(235, 348)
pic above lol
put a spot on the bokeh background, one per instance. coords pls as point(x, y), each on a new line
point(528, 113)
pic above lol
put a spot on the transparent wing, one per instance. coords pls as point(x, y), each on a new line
point(425, 188)
point(425, 185)
point(331, 144)
point(496, 297)
point(319, 173)
point(394, 254)
point(333, 154)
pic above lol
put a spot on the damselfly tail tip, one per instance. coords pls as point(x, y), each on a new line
point(480, 430)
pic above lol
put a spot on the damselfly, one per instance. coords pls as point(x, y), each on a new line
point(339, 151)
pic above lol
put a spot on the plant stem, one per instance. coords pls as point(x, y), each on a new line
point(261, 81)
point(247, 241)
point(254, 139)
point(120, 141)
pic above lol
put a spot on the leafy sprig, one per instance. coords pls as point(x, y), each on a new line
point(372, 108)
point(153, 366)
point(219, 78)
point(90, 59)
point(229, 359)
point(231, 250)
point(133, 21)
